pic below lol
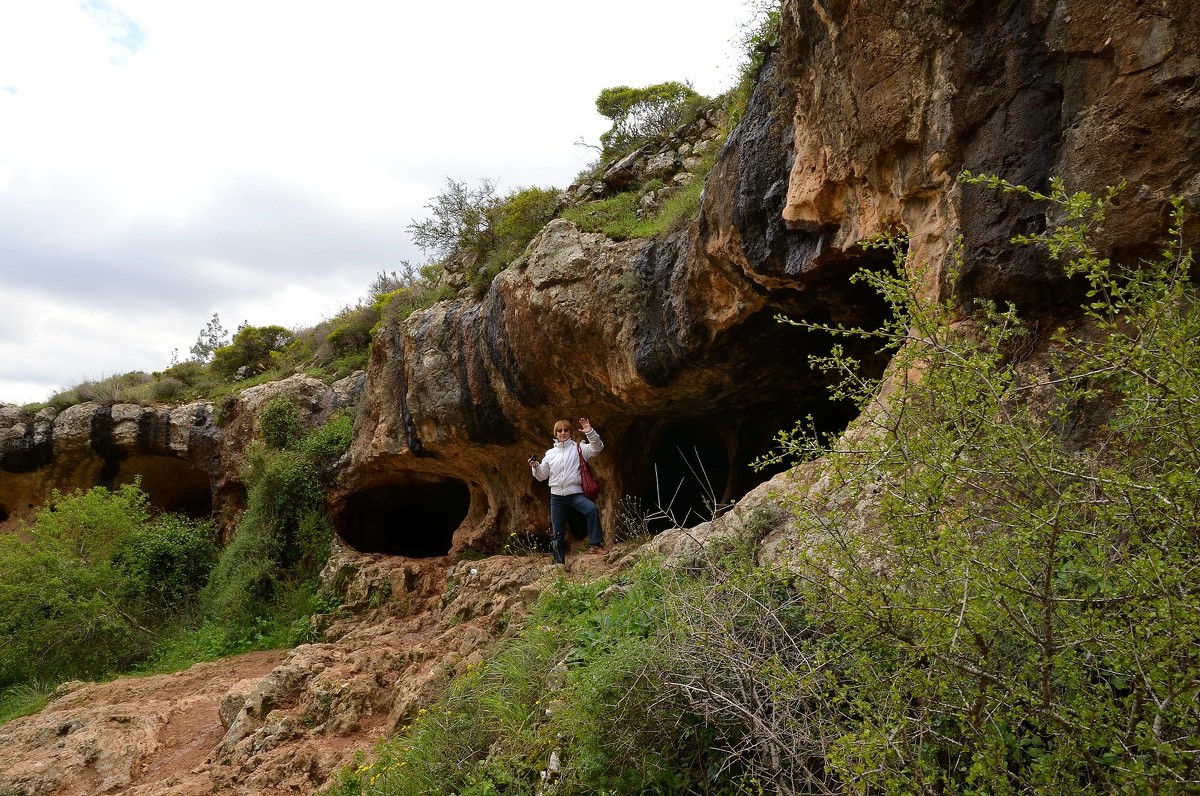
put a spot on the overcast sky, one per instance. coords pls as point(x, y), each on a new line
point(162, 160)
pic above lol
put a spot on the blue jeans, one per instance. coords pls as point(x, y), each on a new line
point(559, 506)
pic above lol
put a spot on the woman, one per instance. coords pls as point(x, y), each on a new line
point(561, 466)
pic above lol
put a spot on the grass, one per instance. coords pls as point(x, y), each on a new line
point(24, 699)
point(617, 216)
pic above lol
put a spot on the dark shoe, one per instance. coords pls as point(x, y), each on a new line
point(596, 550)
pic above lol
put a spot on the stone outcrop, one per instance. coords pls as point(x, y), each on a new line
point(173, 450)
point(188, 459)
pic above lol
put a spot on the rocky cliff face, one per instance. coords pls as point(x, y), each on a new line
point(187, 458)
point(863, 117)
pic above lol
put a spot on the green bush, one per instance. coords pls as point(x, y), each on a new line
point(282, 539)
point(486, 232)
point(396, 305)
point(85, 594)
point(191, 373)
point(167, 388)
point(325, 444)
point(243, 583)
point(252, 347)
point(983, 605)
point(517, 218)
point(279, 423)
point(165, 564)
point(351, 330)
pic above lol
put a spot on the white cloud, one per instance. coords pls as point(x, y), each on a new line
point(261, 159)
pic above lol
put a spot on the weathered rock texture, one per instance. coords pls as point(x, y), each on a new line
point(187, 461)
point(863, 117)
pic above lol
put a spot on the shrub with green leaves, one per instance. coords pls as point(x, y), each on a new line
point(980, 603)
point(99, 574)
point(484, 230)
point(326, 443)
point(279, 423)
point(282, 539)
point(166, 563)
point(252, 347)
point(351, 330)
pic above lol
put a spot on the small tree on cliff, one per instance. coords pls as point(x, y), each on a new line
point(487, 230)
point(211, 337)
point(641, 114)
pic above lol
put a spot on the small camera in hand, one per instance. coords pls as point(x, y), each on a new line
point(533, 460)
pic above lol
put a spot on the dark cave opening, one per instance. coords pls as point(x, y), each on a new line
point(711, 452)
point(414, 520)
point(697, 467)
point(688, 473)
point(3, 513)
point(171, 484)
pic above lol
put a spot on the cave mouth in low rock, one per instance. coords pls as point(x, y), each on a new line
point(170, 484)
point(689, 474)
point(3, 513)
point(696, 463)
point(414, 520)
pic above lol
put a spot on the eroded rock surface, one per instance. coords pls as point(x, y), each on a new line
point(187, 458)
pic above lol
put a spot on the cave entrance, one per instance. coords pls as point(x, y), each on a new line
point(171, 484)
point(699, 460)
point(689, 476)
point(3, 513)
point(413, 520)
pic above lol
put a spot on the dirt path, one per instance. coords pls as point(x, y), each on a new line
point(194, 727)
point(104, 737)
point(284, 721)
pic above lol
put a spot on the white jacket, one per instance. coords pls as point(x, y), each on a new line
point(561, 464)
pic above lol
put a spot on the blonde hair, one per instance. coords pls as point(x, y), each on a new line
point(562, 424)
